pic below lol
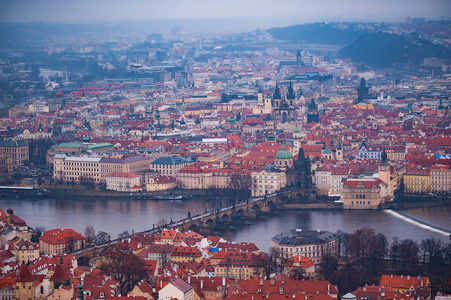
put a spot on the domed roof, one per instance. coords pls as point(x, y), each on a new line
point(296, 130)
point(283, 154)
point(327, 151)
point(349, 296)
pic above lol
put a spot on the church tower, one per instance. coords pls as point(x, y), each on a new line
point(362, 91)
point(312, 112)
point(384, 170)
point(441, 109)
point(339, 152)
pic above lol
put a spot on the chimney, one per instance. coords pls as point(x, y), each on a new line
point(401, 276)
point(408, 277)
point(202, 284)
point(260, 281)
point(189, 279)
point(223, 281)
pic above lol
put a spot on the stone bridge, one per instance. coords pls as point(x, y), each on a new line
point(234, 214)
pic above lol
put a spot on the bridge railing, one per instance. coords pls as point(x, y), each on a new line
point(157, 229)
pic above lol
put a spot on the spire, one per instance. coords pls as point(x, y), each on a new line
point(290, 94)
point(80, 291)
point(301, 155)
point(276, 94)
point(384, 157)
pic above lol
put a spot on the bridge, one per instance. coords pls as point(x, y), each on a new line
point(237, 212)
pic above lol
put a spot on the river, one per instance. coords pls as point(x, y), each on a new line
point(116, 215)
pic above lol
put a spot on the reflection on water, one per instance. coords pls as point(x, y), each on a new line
point(115, 216)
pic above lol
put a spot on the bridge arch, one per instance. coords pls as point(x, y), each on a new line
point(226, 218)
point(210, 223)
point(255, 207)
point(194, 227)
point(241, 212)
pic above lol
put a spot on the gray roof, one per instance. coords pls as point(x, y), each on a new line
point(18, 143)
point(303, 237)
point(182, 285)
point(169, 160)
point(124, 159)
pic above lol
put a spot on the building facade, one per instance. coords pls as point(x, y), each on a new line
point(312, 244)
point(17, 150)
point(441, 179)
point(265, 182)
point(57, 241)
point(417, 181)
point(363, 193)
point(168, 165)
point(123, 181)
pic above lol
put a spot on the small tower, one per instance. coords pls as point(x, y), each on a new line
point(80, 291)
point(277, 96)
point(362, 91)
point(312, 112)
point(384, 170)
point(339, 152)
point(441, 109)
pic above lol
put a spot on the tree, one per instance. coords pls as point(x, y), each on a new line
point(367, 251)
point(343, 247)
point(123, 234)
point(276, 260)
point(70, 245)
point(90, 234)
point(125, 267)
point(394, 253)
point(409, 257)
point(162, 222)
point(102, 238)
point(37, 233)
point(241, 184)
point(328, 265)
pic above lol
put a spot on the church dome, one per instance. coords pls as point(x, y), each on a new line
point(283, 154)
point(296, 130)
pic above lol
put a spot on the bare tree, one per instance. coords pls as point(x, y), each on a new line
point(162, 222)
point(90, 234)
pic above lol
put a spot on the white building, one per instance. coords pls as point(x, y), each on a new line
point(264, 182)
point(178, 289)
point(123, 182)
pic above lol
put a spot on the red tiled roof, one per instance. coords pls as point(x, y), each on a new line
point(60, 236)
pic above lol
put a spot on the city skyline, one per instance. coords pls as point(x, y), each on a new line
point(285, 11)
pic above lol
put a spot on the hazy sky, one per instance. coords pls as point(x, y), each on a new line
point(302, 10)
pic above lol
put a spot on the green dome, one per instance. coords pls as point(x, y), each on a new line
point(283, 154)
point(296, 130)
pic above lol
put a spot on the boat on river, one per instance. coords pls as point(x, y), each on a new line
point(19, 191)
point(171, 197)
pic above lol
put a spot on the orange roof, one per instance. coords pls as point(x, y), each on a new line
point(60, 236)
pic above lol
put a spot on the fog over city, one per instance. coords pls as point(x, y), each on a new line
point(261, 13)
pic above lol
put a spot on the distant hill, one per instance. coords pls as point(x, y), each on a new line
point(383, 49)
point(317, 33)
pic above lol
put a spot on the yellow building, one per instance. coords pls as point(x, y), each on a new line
point(240, 266)
point(185, 254)
point(25, 285)
point(417, 181)
point(363, 193)
point(17, 150)
point(26, 252)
